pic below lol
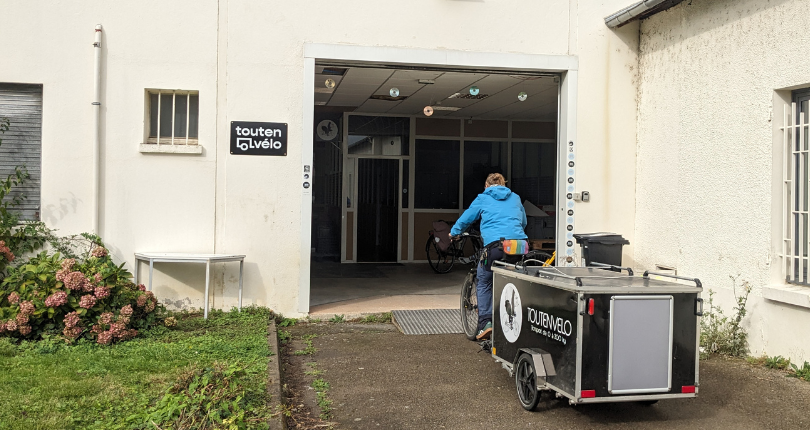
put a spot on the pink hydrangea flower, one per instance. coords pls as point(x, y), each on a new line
point(99, 252)
point(118, 329)
point(56, 299)
point(60, 275)
point(102, 292)
point(68, 263)
point(72, 332)
point(97, 329)
point(141, 287)
point(25, 330)
point(141, 302)
point(123, 319)
point(87, 301)
point(14, 298)
point(2, 326)
point(106, 318)
point(27, 307)
point(22, 319)
point(126, 310)
point(11, 325)
point(75, 281)
point(72, 319)
point(105, 337)
point(97, 277)
point(6, 251)
point(150, 307)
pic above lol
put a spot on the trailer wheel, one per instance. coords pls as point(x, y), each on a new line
point(526, 382)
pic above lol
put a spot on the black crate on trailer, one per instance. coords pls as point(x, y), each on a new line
point(596, 335)
point(602, 248)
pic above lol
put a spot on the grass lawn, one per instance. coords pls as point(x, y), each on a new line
point(172, 377)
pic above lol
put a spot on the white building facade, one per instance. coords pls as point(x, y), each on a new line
point(637, 105)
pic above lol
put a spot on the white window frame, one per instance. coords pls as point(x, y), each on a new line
point(174, 145)
point(795, 259)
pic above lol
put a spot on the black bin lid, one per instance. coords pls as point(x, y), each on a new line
point(604, 238)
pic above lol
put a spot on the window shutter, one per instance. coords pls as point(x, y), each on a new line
point(22, 143)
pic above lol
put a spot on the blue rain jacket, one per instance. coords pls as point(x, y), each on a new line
point(501, 213)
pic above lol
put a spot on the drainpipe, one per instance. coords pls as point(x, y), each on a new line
point(96, 126)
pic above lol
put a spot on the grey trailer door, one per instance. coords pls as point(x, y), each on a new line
point(640, 344)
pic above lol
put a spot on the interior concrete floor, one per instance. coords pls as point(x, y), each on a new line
point(355, 289)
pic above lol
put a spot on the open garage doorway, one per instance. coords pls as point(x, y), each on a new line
point(396, 150)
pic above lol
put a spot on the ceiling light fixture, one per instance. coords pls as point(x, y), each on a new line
point(474, 90)
point(428, 111)
point(522, 96)
point(330, 83)
point(394, 92)
point(387, 98)
point(468, 96)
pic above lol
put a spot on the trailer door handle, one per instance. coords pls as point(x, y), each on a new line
point(699, 303)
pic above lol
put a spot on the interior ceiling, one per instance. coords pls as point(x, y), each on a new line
point(354, 89)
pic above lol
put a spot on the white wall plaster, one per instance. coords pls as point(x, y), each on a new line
point(704, 178)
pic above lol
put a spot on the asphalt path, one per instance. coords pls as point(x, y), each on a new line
point(382, 379)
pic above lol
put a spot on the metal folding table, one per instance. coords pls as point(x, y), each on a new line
point(176, 257)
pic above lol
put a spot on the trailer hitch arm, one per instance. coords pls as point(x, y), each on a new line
point(612, 267)
point(666, 275)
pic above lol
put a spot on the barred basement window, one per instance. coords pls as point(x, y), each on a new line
point(795, 165)
point(172, 119)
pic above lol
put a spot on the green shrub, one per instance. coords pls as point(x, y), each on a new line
point(91, 298)
point(724, 335)
point(800, 372)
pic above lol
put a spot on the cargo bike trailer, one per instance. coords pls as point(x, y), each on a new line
point(596, 335)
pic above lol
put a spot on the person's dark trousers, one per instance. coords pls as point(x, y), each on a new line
point(484, 288)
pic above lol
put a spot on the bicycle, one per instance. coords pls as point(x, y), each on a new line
point(443, 261)
point(469, 296)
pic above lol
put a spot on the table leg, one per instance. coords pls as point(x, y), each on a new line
point(241, 270)
point(207, 280)
point(151, 269)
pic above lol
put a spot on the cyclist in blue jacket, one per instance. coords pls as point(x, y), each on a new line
point(502, 217)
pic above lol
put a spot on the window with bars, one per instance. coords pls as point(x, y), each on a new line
point(173, 117)
point(796, 144)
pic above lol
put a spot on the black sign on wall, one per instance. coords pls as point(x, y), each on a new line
point(258, 138)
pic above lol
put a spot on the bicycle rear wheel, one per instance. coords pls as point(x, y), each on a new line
point(440, 261)
point(469, 306)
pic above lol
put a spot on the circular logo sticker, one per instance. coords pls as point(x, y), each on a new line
point(511, 313)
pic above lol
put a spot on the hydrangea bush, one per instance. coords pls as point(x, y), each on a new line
point(88, 297)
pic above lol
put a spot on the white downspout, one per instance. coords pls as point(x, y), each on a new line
point(96, 125)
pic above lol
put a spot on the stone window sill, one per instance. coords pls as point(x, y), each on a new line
point(795, 295)
point(149, 148)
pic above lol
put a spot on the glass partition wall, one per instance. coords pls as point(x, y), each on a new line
point(433, 168)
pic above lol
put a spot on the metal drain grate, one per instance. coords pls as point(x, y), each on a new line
point(428, 321)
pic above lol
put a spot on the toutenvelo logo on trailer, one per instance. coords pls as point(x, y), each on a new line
point(511, 313)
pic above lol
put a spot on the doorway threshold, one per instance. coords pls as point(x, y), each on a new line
point(355, 308)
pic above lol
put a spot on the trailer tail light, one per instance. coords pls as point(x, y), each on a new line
point(688, 389)
point(590, 306)
point(587, 394)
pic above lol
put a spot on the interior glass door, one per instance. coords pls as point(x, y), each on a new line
point(377, 209)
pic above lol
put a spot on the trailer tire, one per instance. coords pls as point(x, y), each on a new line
point(469, 306)
point(526, 382)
